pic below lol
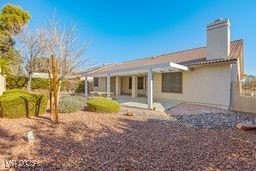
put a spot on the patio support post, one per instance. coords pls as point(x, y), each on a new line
point(150, 89)
point(108, 85)
point(117, 86)
point(134, 87)
point(85, 87)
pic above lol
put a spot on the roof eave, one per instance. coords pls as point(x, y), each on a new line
point(233, 61)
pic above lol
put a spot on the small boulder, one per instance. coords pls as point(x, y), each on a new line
point(246, 126)
point(129, 114)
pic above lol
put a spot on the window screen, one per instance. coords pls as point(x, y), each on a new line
point(130, 82)
point(172, 82)
point(95, 82)
point(140, 83)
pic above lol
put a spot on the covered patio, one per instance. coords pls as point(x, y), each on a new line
point(115, 85)
point(141, 102)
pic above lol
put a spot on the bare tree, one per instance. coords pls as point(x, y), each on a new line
point(62, 43)
point(33, 49)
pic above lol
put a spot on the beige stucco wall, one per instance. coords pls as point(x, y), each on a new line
point(2, 84)
point(125, 86)
point(207, 85)
point(143, 92)
point(102, 85)
point(234, 72)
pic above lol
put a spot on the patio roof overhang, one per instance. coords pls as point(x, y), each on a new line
point(160, 67)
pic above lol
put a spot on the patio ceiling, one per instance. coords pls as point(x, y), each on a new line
point(161, 67)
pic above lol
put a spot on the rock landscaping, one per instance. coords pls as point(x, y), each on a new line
point(213, 118)
point(147, 140)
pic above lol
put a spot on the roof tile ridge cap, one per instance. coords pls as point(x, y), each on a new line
point(103, 67)
point(237, 41)
point(162, 55)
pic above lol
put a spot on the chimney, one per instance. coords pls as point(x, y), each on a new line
point(218, 39)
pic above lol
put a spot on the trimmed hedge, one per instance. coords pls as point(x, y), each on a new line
point(39, 83)
point(15, 103)
point(103, 105)
point(14, 91)
point(15, 82)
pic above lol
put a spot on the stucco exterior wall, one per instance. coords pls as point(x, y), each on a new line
point(102, 85)
point(234, 72)
point(2, 84)
point(125, 86)
point(143, 92)
point(207, 85)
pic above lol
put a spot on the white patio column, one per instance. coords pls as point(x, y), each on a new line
point(134, 86)
point(150, 89)
point(108, 85)
point(117, 86)
point(85, 87)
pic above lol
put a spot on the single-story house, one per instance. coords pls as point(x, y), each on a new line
point(201, 75)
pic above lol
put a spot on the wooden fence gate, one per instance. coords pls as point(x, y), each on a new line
point(243, 97)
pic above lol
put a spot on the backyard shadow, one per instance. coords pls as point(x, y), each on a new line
point(7, 142)
point(128, 144)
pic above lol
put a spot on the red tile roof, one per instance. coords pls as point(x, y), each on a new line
point(189, 57)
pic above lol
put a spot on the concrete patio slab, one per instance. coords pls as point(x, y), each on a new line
point(141, 102)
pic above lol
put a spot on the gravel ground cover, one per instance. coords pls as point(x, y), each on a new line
point(148, 140)
point(209, 117)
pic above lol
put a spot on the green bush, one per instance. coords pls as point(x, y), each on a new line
point(80, 88)
point(14, 91)
point(15, 103)
point(39, 83)
point(15, 82)
point(103, 105)
point(70, 104)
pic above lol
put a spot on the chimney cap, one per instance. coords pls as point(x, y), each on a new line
point(219, 19)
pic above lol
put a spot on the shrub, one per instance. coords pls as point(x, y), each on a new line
point(14, 91)
point(80, 88)
point(15, 82)
point(39, 83)
point(103, 105)
point(15, 103)
point(70, 104)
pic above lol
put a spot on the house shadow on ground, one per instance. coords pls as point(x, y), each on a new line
point(127, 144)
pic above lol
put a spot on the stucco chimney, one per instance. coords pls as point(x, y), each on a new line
point(218, 39)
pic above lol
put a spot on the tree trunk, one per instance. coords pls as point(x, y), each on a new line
point(55, 89)
point(58, 91)
point(50, 93)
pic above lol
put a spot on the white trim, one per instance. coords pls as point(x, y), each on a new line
point(150, 89)
point(178, 66)
point(108, 85)
point(165, 67)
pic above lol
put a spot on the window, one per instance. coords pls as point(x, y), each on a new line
point(95, 82)
point(172, 82)
point(130, 82)
point(140, 83)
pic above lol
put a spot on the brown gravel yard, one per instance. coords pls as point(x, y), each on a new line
point(146, 141)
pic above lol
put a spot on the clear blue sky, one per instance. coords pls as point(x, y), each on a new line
point(122, 30)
